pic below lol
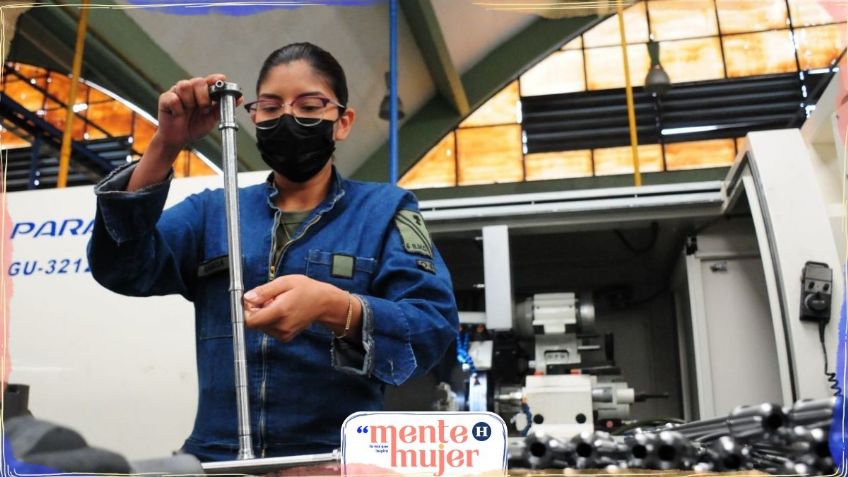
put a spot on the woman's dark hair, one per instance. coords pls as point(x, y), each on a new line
point(322, 61)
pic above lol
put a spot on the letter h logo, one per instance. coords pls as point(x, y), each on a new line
point(481, 431)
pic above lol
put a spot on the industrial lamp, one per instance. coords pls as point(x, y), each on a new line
point(384, 105)
point(657, 82)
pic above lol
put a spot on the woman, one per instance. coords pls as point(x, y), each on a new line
point(346, 291)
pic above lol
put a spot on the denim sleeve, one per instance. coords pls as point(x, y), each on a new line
point(410, 319)
point(355, 357)
point(136, 249)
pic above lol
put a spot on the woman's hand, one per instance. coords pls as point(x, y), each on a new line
point(286, 306)
point(186, 112)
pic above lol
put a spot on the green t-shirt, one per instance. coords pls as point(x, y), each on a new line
point(285, 227)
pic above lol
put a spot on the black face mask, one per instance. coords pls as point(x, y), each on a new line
point(297, 152)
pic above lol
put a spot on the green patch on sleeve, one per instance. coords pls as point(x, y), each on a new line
point(414, 233)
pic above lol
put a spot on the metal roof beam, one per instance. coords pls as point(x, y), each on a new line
point(422, 21)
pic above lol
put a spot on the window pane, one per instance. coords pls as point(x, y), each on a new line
point(619, 160)
point(24, 94)
point(436, 169)
point(816, 12)
point(605, 66)
point(198, 167)
point(606, 33)
point(10, 140)
point(743, 16)
point(60, 87)
point(558, 165)
point(56, 117)
point(574, 44)
point(29, 71)
point(50, 104)
point(561, 72)
point(489, 155)
point(143, 132)
point(740, 144)
point(182, 165)
point(700, 154)
point(95, 96)
point(759, 53)
point(112, 116)
point(502, 108)
point(692, 60)
point(188, 164)
point(677, 19)
point(819, 46)
point(91, 132)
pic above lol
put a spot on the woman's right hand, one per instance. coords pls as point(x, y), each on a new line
point(186, 112)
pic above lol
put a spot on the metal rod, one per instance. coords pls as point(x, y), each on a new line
point(270, 464)
point(65, 151)
point(226, 94)
point(393, 93)
point(631, 112)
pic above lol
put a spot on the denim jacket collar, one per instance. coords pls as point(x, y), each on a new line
point(337, 191)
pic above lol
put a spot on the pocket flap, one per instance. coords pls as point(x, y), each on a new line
point(213, 265)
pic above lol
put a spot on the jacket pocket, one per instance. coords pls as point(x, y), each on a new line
point(345, 271)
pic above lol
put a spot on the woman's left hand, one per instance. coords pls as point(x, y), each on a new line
point(287, 305)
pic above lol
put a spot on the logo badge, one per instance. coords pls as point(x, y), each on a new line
point(441, 444)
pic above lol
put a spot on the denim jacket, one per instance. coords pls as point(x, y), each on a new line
point(301, 391)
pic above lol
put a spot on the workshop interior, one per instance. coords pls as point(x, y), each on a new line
point(641, 204)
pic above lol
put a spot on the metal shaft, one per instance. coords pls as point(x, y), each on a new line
point(226, 94)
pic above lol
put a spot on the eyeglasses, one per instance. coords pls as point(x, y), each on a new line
point(306, 110)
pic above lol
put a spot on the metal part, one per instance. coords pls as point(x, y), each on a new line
point(177, 464)
point(811, 411)
point(810, 447)
point(561, 404)
point(727, 455)
point(264, 466)
point(67, 137)
point(614, 397)
point(704, 446)
point(472, 317)
point(586, 310)
point(755, 421)
point(478, 392)
point(226, 94)
point(481, 354)
point(542, 451)
point(498, 277)
point(602, 395)
point(393, 91)
point(557, 322)
point(639, 447)
point(672, 451)
point(575, 209)
point(553, 320)
point(597, 450)
point(446, 398)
